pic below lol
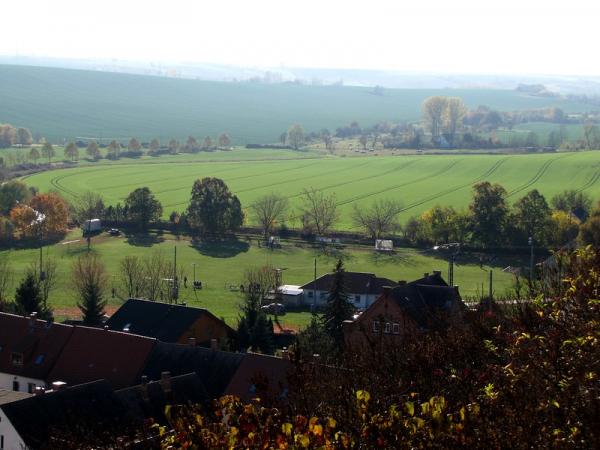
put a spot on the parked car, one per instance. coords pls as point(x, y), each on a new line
point(114, 232)
point(274, 308)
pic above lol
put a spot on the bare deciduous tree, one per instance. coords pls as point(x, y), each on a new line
point(132, 276)
point(319, 210)
point(379, 219)
point(154, 269)
point(47, 281)
point(256, 284)
point(268, 210)
point(433, 110)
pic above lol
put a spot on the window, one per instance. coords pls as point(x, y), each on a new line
point(388, 328)
point(1, 441)
point(322, 294)
point(357, 299)
point(310, 294)
point(375, 326)
point(16, 385)
point(396, 328)
point(31, 388)
point(39, 359)
point(17, 359)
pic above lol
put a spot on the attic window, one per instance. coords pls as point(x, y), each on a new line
point(16, 359)
point(376, 326)
point(396, 328)
point(39, 359)
point(388, 328)
point(127, 327)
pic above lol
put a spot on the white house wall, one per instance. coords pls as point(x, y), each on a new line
point(364, 302)
point(6, 382)
point(8, 434)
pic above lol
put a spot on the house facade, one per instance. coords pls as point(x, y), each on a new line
point(362, 288)
point(407, 308)
point(9, 437)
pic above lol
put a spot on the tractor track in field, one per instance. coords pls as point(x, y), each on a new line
point(437, 195)
point(398, 186)
point(343, 183)
point(228, 169)
point(588, 184)
point(539, 174)
point(274, 184)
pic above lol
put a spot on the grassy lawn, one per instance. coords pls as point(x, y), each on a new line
point(221, 265)
point(418, 181)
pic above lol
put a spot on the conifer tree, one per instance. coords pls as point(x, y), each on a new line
point(338, 309)
point(28, 297)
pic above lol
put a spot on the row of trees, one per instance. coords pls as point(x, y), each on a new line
point(11, 135)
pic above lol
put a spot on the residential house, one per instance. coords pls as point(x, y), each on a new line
point(96, 408)
point(29, 348)
point(7, 432)
point(169, 323)
point(363, 289)
point(407, 308)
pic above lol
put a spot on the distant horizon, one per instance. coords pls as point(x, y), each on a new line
point(176, 63)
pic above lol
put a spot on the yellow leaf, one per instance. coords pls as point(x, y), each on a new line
point(463, 413)
point(234, 431)
point(331, 423)
point(363, 396)
point(410, 408)
point(287, 428)
point(318, 430)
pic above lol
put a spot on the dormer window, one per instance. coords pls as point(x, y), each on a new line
point(39, 359)
point(376, 326)
point(16, 358)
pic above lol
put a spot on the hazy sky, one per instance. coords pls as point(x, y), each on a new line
point(476, 36)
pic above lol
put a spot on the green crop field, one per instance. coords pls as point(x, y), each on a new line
point(418, 181)
point(221, 265)
point(64, 104)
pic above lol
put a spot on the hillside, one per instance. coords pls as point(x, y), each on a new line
point(63, 104)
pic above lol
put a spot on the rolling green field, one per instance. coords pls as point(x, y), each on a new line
point(220, 266)
point(418, 181)
point(65, 104)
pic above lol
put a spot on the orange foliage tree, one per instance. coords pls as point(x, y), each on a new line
point(51, 206)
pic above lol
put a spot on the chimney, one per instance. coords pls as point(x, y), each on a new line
point(437, 273)
point(401, 282)
point(192, 341)
point(426, 275)
point(39, 390)
point(385, 290)
point(285, 354)
point(456, 289)
point(106, 327)
point(165, 383)
point(32, 319)
point(214, 344)
point(49, 322)
point(144, 388)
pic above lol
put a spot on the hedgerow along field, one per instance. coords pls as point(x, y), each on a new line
point(419, 182)
point(62, 104)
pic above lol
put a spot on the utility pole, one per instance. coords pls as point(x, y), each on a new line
point(530, 241)
point(315, 288)
point(491, 293)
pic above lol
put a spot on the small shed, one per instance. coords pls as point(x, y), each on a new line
point(384, 245)
point(290, 294)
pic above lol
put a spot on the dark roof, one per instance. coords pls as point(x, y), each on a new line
point(39, 342)
point(149, 400)
point(96, 406)
point(163, 321)
point(95, 353)
point(37, 418)
point(426, 298)
point(355, 282)
point(215, 368)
